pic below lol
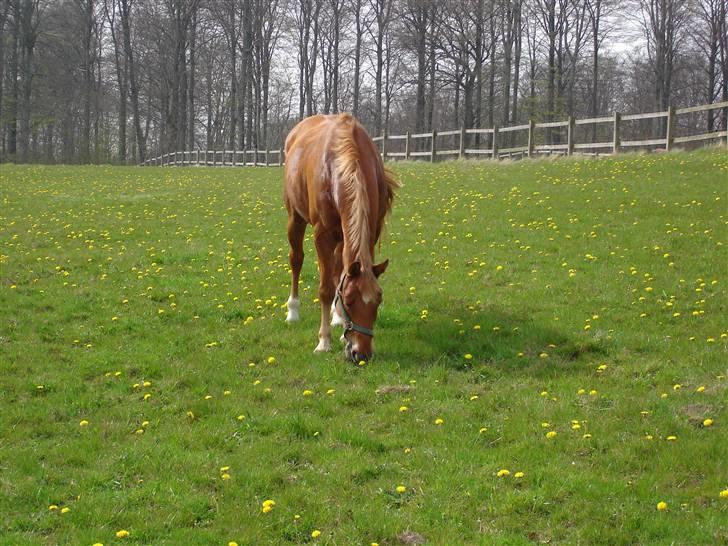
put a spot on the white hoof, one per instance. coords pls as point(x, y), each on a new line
point(324, 345)
point(294, 304)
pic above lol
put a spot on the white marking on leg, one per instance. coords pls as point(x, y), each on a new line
point(294, 304)
point(343, 339)
point(336, 318)
point(324, 345)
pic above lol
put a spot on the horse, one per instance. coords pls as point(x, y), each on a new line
point(335, 180)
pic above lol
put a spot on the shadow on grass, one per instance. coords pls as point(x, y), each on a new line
point(490, 335)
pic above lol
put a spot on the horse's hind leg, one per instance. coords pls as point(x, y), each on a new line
point(296, 231)
point(336, 319)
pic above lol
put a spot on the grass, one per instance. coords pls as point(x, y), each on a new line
point(605, 275)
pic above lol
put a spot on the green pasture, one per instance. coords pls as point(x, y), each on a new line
point(551, 360)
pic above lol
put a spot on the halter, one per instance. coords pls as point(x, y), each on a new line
point(349, 325)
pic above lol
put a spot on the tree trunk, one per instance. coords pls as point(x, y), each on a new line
point(126, 7)
point(357, 57)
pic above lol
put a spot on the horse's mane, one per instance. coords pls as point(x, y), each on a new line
point(355, 191)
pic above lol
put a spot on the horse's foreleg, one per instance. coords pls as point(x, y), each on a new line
point(325, 247)
point(296, 231)
point(336, 319)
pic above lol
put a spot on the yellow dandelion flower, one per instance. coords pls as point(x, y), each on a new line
point(83, 423)
point(65, 510)
point(708, 422)
point(53, 507)
point(122, 533)
point(403, 408)
point(271, 360)
point(315, 533)
point(518, 475)
point(401, 489)
point(439, 421)
point(504, 472)
point(662, 505)
point(551, 434)
point(307, 392)
point(723, 494)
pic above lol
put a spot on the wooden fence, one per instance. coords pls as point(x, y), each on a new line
point(495, 143)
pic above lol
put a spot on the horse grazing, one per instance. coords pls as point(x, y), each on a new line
point(335, 181)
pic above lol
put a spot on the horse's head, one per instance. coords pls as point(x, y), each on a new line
point(357, 301)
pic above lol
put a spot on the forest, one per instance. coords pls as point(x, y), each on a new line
point(117, 81)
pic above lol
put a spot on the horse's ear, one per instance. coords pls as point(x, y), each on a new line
point(380, 268)
point(354, 269)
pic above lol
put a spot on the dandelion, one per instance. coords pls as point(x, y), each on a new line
point(241, 417)
point(503, 473)
point(53, 507)
point(708, 422)
point(307, 392)
point(439, 421)
point(468, 356)
point(671, 438)
point(315, 533)
point(83, 423)
point(65, 510)
point(662, 506)
point(232, 543)
point(551, 434)
point(122, 533)
point(401, 489)
point(723, 494)
point(271, 360)
point(701, 388)
point(403, 409)
point(518, 475)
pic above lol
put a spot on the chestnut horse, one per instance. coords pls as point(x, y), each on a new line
point(335, 181)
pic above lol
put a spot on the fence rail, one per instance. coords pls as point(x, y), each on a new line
point(467, 142)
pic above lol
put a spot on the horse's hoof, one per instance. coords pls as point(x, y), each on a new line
point(324, 346)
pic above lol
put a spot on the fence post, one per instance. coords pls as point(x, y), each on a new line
point(214, 157)
point(530, 137)
point(433, 147)
point(384, 145)
point(570, 137)
point(495, 142)
point(670, 129)
point(280, 158)
point(407, 146)
point(462, 143)
point(616, 137)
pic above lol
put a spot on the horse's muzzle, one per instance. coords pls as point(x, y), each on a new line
point(355, 357)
